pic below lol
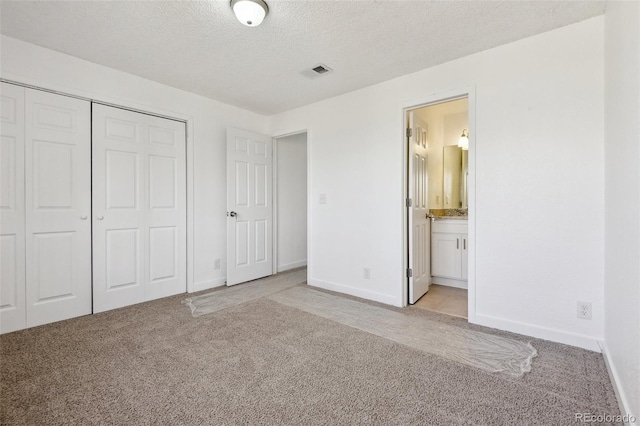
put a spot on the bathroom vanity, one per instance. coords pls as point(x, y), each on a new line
point(449, 251)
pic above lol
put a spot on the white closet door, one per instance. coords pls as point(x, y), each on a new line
point(12, 219)
point(139, 207)
point(58, 205)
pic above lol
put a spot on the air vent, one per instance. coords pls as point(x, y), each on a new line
point(317, 71)
point(321, 69)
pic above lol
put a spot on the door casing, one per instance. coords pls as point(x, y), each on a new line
point(433, 99)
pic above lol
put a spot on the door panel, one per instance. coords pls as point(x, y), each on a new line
point(420, 226)
point(122, 174)
point(122, 258)
point(163, 178)
point(139, 207)
point(249, 196)
point(163, 253)
point(58, 205)
point(12, 213)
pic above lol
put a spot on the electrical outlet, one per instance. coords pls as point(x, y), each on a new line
point(584, 310)
point(216, 264)
point(323, 198)
point(438, 200)
point(367, 273)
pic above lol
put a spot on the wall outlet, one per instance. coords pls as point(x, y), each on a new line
point(367, 273)
point(323, 198)
point(216, 264)
point(438, 200)
point(584, 310)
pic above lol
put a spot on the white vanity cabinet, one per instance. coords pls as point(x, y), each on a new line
point(449, 249)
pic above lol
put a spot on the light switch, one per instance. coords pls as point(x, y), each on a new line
point(323, 198)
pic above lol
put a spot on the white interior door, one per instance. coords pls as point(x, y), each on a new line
point(249, 206)
point(139, 207)
point(58, 206)
point(12, 215)
point(419, 224)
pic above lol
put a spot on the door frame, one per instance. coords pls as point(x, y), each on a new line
point(150, 110)
point(429, 100)
point(274, 203)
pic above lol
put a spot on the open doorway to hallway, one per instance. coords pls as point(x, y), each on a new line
point(437, 206)
point(290, 202)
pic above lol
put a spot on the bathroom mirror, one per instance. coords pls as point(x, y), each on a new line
point(454, 179)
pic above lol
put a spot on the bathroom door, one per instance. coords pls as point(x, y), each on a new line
point(419, 224)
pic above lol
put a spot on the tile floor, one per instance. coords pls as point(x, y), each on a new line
point(446, 300)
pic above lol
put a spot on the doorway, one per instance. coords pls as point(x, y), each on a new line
point(437, 188)
point(290, 202)
point(266, 204)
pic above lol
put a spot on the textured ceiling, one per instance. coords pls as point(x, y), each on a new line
point(200, 47)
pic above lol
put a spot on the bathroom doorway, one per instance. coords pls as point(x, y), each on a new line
point(438, 205)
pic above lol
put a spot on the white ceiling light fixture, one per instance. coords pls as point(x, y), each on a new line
point(463, 142)
point(250, 12)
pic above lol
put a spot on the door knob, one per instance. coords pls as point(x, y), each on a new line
point(233, 214)
point(100, 217)
point(83, 217)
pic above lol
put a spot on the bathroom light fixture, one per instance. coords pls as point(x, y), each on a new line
point(250, 12)
point(463, 142)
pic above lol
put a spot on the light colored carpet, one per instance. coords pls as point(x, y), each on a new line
point(261, 362)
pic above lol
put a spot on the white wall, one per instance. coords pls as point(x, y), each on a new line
point(539, 182)
point(622, 198)
point(209, 119)
point(292, 201)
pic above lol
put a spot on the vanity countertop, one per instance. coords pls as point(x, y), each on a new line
point(451, 217)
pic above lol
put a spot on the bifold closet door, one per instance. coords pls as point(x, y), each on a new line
point(12, 218)
point(139, 207)
point(58, 206)
point(45, 203)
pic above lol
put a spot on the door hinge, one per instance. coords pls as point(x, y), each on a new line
point(409, 272)
point(409, 202)
point(409, 132)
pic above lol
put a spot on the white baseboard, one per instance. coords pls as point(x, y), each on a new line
point(206, 285)
point(353, 291)
point(572, 339)
point(623, 401)
point(449, 282)
point(294, 265)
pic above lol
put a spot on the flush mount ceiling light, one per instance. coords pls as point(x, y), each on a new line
point(250, 12)
point(463, 142)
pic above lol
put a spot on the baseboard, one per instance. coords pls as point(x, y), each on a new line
point(572, 339)
point(206, 285)
point(353, 291)
point(449, 282)
point(623, 401)
point(294, 265)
